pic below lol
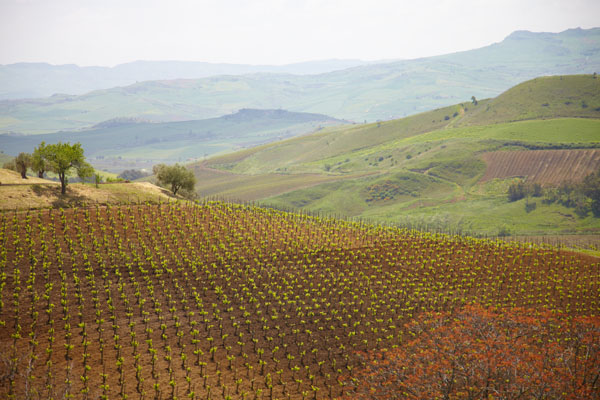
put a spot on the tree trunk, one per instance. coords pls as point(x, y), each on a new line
point(24, 173)
point(41, 174)
point(63, 185)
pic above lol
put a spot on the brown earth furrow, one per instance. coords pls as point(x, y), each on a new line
point(542, 166)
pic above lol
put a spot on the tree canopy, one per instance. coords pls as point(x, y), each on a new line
point(177, 176)
point(38, 160)
point(22, 162)
point(62, 158)
point(591, 188)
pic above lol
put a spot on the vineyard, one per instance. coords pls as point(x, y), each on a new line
point(542, 166)
point(228, 301)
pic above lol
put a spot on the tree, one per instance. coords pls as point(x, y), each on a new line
point(63, 157)
point(176, 175)
point(473, 100)
point(516, 191)
point(97, 179)
point(132, 174)
point(38, 160)
point(22, 162)
point(537, 190)
point(591, 188)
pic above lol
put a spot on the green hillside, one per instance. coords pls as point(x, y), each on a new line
point(142, 144)
point(544, 97)
point(425, 169)
point(371, 92)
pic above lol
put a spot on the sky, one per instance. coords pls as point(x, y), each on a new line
point(276, 32)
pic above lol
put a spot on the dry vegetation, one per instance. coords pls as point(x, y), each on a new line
point(17, 193)
point(229, 301)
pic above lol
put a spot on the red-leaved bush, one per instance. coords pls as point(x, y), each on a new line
point(479, 353)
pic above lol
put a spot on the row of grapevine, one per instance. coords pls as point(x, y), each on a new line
point(228, 301)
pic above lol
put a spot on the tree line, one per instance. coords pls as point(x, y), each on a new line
point(60, 158)
point(583, 196)
point(64, 158)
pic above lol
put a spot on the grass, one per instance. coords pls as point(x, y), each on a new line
point(555, 131)
point(424, 170)
point(254, 187)
point(489, 216)
point(355, 197)
point(16, 193)
point(543, 97)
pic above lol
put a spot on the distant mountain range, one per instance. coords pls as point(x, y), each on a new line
point(367, 92)
point(31, 80)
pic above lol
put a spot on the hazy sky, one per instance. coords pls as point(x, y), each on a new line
point(109, 32)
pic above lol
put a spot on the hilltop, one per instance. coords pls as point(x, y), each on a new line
point(369, 92)
point(426, 169)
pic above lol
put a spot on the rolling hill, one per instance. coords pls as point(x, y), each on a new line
point(426, 169)
point(369, 92)
point(112, 144)
point(32, 80)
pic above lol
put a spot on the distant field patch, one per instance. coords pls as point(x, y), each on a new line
point(541, 166)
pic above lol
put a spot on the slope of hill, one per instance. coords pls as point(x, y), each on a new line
point(426, 169)
point(546, 167)
point(143, 143)
point(17, 193)
point(372, 92)
point(544, 97)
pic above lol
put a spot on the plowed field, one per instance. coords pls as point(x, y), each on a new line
point(548, 167)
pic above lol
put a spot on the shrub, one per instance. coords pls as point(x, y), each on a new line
point(529, 207)
point(504, 232)
point(516, 191)
point(481, 353)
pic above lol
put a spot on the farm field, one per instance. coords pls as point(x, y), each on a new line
point(229, 301)
point(541, 166)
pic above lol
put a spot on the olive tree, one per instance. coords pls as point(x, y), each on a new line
point(62, 158)
point(177, 176)
point(22, 162)
point(39, 162)
point(591, 188)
